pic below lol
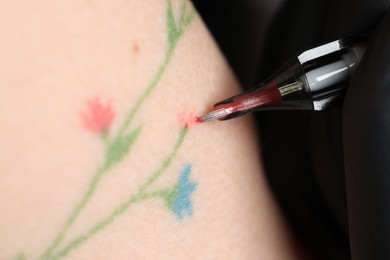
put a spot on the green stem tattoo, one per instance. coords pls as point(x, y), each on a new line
point(140, 195)
point(74, 214)
point(152, 178)
point(120, 145)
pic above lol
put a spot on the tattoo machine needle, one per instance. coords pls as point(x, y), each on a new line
point(315, 80)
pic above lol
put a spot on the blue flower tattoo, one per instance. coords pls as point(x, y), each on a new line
point(181, 202)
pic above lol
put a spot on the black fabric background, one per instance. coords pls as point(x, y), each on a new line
point(330, 170)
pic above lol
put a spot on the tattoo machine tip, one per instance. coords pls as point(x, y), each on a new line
point(218, 114)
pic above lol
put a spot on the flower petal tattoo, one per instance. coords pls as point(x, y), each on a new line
point(99, 117)
point(181, 202)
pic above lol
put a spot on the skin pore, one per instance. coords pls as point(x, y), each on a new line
point(101, 156)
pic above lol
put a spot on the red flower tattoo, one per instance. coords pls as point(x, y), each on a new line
point(99, 117)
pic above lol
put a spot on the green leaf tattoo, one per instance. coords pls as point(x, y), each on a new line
point(120, 147)
point(98, 119)
point(175, 30)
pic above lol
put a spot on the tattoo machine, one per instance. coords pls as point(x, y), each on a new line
point(315, 80)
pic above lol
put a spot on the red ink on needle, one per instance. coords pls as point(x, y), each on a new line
point(268, 95)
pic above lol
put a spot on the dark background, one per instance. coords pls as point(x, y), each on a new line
point(304, 155)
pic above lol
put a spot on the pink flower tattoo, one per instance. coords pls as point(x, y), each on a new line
point(98, 117)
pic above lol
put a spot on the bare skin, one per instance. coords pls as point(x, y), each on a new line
point(57, 55)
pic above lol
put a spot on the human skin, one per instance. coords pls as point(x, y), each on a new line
point(57, 55)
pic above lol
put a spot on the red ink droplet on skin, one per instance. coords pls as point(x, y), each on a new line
point(188, 119)
point(135, 48)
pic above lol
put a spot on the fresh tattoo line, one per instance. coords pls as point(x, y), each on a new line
point(98, 119)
